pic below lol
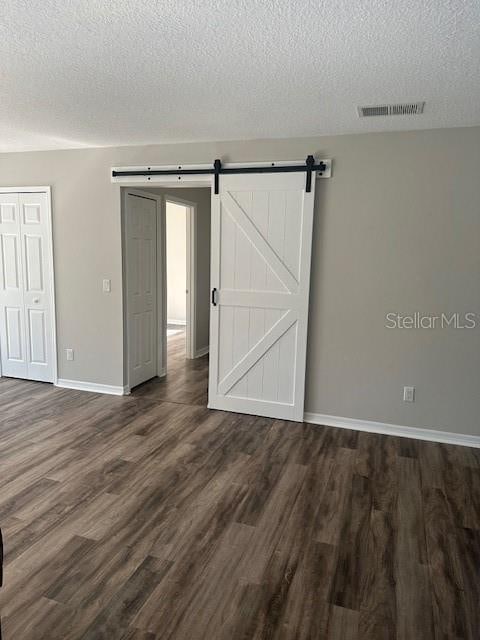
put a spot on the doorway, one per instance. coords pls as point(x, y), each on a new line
point(166, 255)
point(261, 242)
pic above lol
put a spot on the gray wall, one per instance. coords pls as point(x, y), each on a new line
point(397, 228)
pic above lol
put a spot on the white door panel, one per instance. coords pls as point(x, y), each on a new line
point(141, 265)
point(12, 316)
point(26, 300)
point(15, 344)
point(12, 265)
point(38, 337)
point(261, 249)
point(36, 238)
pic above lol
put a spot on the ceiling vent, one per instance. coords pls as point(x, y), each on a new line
point(407, 109)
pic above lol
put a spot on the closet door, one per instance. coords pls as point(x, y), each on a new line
point(13, 344)
point(26, 299)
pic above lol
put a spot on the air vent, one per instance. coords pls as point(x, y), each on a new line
point(407, 109)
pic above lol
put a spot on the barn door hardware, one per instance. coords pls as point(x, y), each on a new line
point(218, 169)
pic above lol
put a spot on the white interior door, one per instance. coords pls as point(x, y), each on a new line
point(13, 343)
point(26, 285)
point(261, 250)
point(141, 283)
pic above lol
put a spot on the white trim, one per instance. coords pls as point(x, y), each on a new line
point(93, 387)
point(162, 287)
point(385, 428)
point(52, 284)
point(48, 191)
point(24, 189)
point(202, 352)
point(172, 181)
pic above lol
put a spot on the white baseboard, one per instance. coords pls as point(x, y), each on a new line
point(94, 387)
point(385, 428)
point(162, 373)
point(202, 352)
point(182, 322)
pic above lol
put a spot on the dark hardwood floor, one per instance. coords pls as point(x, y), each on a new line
point(150, 517)
point(187, 380)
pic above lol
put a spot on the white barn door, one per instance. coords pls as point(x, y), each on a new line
point(26, 287)
point(261, 250)
point(141, 287)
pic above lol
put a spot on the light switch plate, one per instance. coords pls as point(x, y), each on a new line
point(107, 285)
point(409, 394)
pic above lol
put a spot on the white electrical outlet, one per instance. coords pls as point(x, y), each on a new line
point(107, 286)
point(409, 394)
point(69, 353)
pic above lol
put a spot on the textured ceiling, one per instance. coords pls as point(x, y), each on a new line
point(77, 73)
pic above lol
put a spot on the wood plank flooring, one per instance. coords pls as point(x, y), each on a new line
point(150, 517)
point(187, 380)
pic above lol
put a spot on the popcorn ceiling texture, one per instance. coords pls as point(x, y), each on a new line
point(78, 73)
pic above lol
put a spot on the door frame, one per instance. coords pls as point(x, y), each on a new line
point(161, 272)
point(51, 266)
point(191, 273)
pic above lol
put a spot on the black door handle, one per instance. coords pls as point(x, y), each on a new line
point(214, 296)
